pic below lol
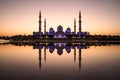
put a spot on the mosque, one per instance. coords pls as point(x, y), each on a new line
point(60, 33)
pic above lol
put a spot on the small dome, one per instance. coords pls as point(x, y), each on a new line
point(68, 30)
point(51, 30)
point(59, 28)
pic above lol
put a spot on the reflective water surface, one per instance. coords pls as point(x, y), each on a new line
point(59, 61)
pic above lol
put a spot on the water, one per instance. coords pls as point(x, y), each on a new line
point(59, 62)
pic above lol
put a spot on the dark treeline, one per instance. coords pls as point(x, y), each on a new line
point(17, 37)
point(89, 37)
point(103, 37)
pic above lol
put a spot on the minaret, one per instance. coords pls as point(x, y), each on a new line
point(40, 58)
point(45, 26)
point(75, 26)
point(80, 59)
point(40, 21)
point(75, 54)
point(45, 53)
point(80, 21)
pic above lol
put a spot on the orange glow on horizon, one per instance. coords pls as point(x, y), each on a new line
point(22, 17)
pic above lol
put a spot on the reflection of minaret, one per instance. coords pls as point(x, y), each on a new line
point(45, 26)
point(80, 59)
point(75, 26)
point(40, 58)
point(45, 54)
point(75, 54)
point(79, 21)
point(40, 21)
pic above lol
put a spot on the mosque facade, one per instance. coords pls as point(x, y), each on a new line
point(60, 33)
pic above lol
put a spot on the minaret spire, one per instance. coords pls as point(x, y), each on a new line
point(80, 21)
point(45, 26)
point(74, 25)
point(40, 21)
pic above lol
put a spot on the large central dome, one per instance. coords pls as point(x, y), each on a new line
point(59, 28)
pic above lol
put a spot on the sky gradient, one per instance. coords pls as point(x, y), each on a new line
point(21, 16)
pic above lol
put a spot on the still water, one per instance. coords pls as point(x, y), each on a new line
point(59, 61)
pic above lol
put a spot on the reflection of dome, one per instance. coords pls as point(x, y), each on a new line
point(59, 28)
point(59, 51)
point(51, 49)
point(68, 49)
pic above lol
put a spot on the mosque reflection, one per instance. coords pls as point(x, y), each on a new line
point(59, 47)
point(51, 47)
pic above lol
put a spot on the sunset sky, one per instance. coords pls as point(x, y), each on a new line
point(21, 16)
